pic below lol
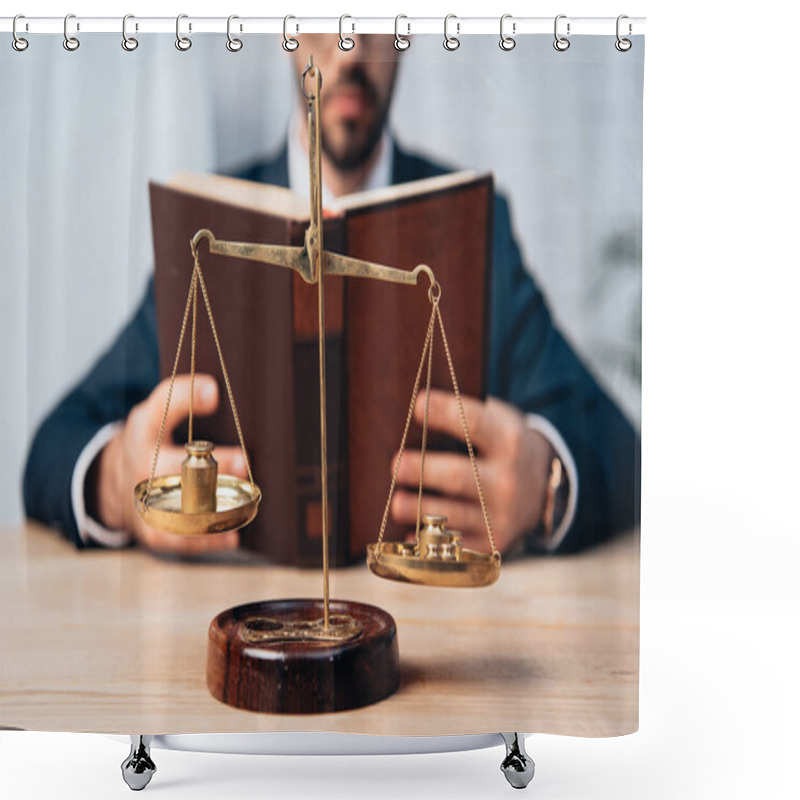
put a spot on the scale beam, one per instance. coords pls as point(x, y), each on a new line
point(297, 258)
point(336, 264)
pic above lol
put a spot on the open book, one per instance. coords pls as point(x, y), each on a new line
point(266, 318)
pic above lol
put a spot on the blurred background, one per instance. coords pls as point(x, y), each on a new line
point(82, 133)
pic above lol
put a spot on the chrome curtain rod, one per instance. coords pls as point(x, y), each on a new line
point(457, 26)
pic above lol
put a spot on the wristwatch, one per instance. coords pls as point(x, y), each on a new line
point(555, 504)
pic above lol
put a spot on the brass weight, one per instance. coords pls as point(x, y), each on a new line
point(198, 478)
point(436, 542)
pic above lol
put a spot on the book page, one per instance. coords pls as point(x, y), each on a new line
point(275, 200)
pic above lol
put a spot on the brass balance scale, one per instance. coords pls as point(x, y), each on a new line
point(309, 655)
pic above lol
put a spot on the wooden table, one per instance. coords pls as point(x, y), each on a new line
point(115, 642)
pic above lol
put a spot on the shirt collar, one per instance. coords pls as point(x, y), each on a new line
point(297, 160)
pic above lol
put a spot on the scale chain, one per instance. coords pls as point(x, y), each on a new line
point(191, 303)
point(425, 420)
point(427, 351)
point(396, 471)
point(225, 374)
point(192, 290)
point(473, 461)
point(191, 369)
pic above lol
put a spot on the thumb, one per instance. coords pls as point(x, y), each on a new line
point(206, 399)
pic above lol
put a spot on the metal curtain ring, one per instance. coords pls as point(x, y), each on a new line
point(18, 43)
point(451, 42)
point(308, 69)
point(561, 43)
point(70, 42)
point(401, 42)
point(507, 42)
point(128, 42)
point(345, 42)
point(181, 42)
point(233, 44)
point(290, 44)
point(623, 45)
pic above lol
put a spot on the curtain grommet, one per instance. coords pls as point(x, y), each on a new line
point(561, 43)
point(183, 43)
point(289, 44)
point(401, 43)
point(129, 43)
point(70, 43)
point(233, 44)
point(507, 43)
point(18, 43)
point(346, 43)
point(623, 45)
point(451, 43)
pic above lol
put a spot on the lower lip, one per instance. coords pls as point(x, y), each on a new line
point(349, 104)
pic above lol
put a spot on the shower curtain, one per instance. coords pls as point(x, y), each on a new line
point(547, 263)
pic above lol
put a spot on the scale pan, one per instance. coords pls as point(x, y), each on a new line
point(398, 561)
point(237, 503)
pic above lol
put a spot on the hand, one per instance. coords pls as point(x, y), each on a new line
point(128, 457)
point(513, 464)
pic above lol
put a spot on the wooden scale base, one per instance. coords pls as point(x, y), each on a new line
point(276, 656)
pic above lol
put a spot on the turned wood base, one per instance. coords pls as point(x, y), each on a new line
point(302, 677)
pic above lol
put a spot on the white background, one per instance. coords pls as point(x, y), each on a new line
point(719, 619)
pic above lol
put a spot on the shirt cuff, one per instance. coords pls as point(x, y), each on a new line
point(548, 430)
point(90, 529)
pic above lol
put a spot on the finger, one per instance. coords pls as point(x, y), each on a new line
point(230, 461)
point(443, 415)
point(206, 400)
point(462, 515)
point(170, 458)
point(449, 473)
point(476, 540)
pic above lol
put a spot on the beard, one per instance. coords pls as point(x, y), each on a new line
point(356, 146)
point(354, 141)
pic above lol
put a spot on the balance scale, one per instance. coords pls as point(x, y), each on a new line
point(310, 656)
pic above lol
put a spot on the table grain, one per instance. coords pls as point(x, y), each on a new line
point(114, 641)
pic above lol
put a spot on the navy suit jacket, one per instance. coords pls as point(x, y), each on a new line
point(531, 366)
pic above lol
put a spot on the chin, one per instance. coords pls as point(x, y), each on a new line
point(349, 153)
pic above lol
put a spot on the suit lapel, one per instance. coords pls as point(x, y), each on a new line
point(274, 172)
